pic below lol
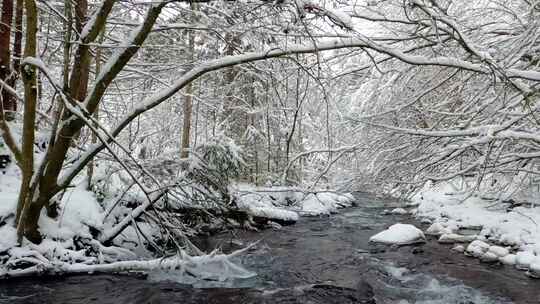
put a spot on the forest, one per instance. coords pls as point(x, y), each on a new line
point(133, 130)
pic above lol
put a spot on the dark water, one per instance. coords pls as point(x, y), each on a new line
point(318, 260)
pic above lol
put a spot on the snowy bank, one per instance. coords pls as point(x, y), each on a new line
point(73, 242)
point(498, 230)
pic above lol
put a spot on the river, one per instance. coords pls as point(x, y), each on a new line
point(317, 260)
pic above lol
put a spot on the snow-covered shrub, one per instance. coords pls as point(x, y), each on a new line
point(216, 164)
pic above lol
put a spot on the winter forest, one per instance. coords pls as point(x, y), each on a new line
point(270, 151)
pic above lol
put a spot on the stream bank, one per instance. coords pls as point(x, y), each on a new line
point(319, 260)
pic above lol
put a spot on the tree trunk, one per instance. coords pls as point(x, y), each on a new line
point(68, 22)
point(186, 130)
point(93, 138)
point(29, 76)
point(78, 84)
point(188, 103)
point(17, 42)
point(47, 184)
point(229, 113)
point(7, 102)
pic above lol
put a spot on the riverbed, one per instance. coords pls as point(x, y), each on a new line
point(317, 260)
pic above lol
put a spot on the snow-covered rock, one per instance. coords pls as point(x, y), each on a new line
point(477, 248)
point(399, 234)
point(435, 229)
point(439, 228)
point(398, 211)
point(499, 251)
point(509, 259)
point(524, 259)
point(534, 269)
point(426, 221)
point(313, 205)
point(509, 239)
point(489, 257)
point(458, 248)
point(339, 200)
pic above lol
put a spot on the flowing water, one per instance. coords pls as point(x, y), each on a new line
point(318, 260)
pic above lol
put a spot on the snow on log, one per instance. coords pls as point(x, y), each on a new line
point(273, 213)
point(455, 238)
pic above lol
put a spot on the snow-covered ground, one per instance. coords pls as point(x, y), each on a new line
point(481, 226)
point(72, 244)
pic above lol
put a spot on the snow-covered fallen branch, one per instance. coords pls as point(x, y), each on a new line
point(287, 203)
point(214, 266)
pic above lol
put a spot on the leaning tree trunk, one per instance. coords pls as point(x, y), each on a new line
point(47, 178)
point(30, 104)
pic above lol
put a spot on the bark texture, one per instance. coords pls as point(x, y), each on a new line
point(7, 101)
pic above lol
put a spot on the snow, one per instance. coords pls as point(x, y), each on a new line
point(287, 203)
point(509, 236)
point(273, 213)
point(509, 259)
point(456, 238)
point(79, 212)
point(458, 248)
point(477, 248)
point(8, 203)
point(317, 205)
point(186, 268)
point(70, 243)
point(440, 228)
point(398, 211)
point(9, 237)
point(200, 270)
point(534, 269)
point(9, 187)
point(499, 251)
point(524, 259)
point(399, 234)
point(341, 18)
point(489, 257)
